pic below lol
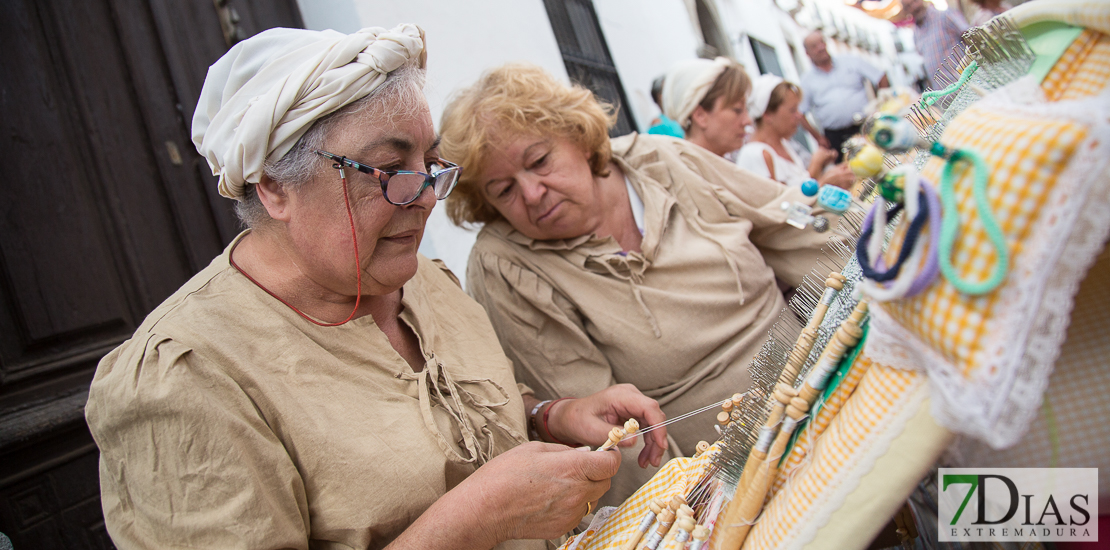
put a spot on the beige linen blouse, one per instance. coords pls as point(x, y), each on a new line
point(228, 421)
point(682, 319)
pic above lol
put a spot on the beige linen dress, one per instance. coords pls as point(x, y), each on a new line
point(682, 319)
point(228, 421)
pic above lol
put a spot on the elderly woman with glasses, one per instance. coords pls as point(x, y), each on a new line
point(321, 384)
point(643, 259)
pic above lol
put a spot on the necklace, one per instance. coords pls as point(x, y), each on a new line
point(358, 268)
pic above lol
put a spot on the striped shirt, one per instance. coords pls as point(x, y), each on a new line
point(935, 35)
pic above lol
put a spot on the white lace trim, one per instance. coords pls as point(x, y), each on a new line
point(1023, 338)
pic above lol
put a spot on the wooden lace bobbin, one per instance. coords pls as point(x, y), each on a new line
point(734, 533)
point(654, 508)
point(723, 419)
point(683, 526)
point(784, 390)
point(737, 398)
point(782, 395)
point(666, 517)
point(701, 448)
point(700, 534)
point(682, 512)
point(727, 535)
point(676, 504)
point(798, 355)
point(616, 434)
point(846, 336)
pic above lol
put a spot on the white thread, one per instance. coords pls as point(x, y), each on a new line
point(680, 417)
point(820, 376)
point(788, 424)
point(766, 434)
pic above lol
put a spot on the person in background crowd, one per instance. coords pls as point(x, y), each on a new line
point(708, 98)
point(663, 125)
point(774, 105)
point(835, 93)
point(986, 10)
point(935, 32)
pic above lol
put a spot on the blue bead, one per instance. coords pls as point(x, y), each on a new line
point(810, 187)
point(834, 199)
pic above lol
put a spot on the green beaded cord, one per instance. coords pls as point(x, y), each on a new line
point(950, 224)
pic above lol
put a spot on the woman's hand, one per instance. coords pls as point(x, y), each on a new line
point(588, 420)
point(541, 490)
point(822, 157)
point(534, 491)
point(840, 176)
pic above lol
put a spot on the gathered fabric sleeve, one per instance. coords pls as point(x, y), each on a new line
point(789, 251)
point(538, 328)
point(187, 460)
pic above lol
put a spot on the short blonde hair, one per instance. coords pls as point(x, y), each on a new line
point(516, 98)
point(778, 97)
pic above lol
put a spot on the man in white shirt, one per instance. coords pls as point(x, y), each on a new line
point(834, 92)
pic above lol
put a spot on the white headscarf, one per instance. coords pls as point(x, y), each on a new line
point(268, 90)
point(686, 85)
point(761, 94)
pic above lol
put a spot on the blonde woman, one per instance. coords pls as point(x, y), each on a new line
point(644, 259)
point(774, 105)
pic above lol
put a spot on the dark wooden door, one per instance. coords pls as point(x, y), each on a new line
point(105, 209)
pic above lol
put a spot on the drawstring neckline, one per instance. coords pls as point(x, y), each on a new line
point(634, 278)
point(436, 386)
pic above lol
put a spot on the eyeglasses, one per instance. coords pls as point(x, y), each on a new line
point(401, 187)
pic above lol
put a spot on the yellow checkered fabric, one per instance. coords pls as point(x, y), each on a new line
point(863, 417)
point(819, 423)
point(672, 479)
point(1082, 71)
point(1025, 155)
point(1091, 14)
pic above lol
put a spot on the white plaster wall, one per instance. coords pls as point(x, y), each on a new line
point(645, 38)
point(464, 38)
point(759, 19)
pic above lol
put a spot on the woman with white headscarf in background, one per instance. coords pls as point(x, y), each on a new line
point(320, 384)
point(708, 98)
point(774, 106)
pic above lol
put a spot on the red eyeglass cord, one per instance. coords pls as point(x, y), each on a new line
point(358, 268)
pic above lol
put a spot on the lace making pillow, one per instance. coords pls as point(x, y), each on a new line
point(989, 356)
